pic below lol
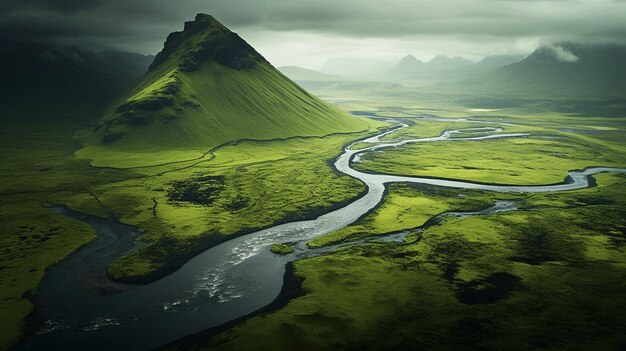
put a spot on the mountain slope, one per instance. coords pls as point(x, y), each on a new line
point(564, 69)
point(496, 61)
point(205, 88)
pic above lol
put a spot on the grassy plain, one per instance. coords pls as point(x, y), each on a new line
point(557, 143)
point(528, 160)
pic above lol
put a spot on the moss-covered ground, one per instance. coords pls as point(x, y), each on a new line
point(281, 249)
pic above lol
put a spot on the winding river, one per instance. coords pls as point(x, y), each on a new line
point(79, 308)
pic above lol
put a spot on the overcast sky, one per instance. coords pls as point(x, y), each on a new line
point(309, 32)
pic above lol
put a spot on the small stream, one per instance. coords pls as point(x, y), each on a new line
point(79, 308)
point(301, 250)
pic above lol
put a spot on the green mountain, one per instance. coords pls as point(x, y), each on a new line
point(302, 74)
point(563, 69)
point(205, 88)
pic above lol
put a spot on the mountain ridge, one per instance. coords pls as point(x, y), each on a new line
point(223, 46)
point(409, 67)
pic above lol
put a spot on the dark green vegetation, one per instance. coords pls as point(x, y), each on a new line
point(207, 87)
point(201, 190)
point(281, 249)
point(209, 181)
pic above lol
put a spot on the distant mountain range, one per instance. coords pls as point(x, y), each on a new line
point(495, 61)
point(38, 72)
point(357, 67)
point(302, 74)
point(563, 69)
point(559, 69)
point(410, 67)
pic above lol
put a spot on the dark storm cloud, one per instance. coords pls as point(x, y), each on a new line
point(143, 24)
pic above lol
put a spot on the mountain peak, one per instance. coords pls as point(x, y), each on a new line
point(407, 65)
point(440, 58)
point(441, 62)
point(557, 53)
point(203, 39)
point(202, 21)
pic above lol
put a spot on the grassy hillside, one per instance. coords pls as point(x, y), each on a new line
point(207, 87)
